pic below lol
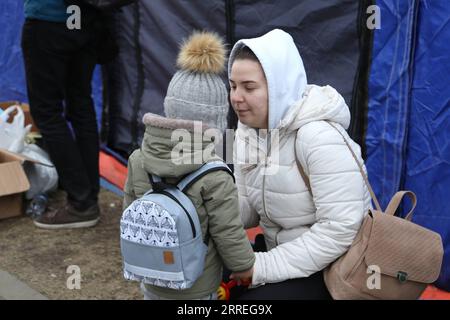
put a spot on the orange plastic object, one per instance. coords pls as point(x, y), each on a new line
point(251, 233)
point(433, 293)
point(112, 170)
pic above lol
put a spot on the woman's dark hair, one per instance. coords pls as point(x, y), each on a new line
point(245, 53)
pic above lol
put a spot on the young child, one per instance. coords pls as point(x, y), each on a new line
point(196, 96)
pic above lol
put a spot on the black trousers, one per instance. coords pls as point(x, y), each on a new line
point(310, 288)
point(59, 64)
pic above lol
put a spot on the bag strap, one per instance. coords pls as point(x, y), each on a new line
point(208, 167)
point(189, 180)
point(193, 177)
point(397, 199)
point(184, 184)
point(364, 175)
point(366, 179)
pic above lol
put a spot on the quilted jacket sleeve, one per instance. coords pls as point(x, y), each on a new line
point(225, 227)
point(339, 195)
point(128, 191)
point(137, 182)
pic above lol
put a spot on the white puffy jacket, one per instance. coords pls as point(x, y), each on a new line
point(303, 234)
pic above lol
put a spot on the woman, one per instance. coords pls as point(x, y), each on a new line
point(284, 124)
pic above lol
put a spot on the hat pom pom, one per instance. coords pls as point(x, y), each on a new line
point(202, 52)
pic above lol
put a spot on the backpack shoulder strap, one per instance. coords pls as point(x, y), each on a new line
point(193, 177)
point(208, 167)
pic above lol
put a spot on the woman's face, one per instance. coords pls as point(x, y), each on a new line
point(248, 93)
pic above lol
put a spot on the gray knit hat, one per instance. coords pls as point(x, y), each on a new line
point(197, 92)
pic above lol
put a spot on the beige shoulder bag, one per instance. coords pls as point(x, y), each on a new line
point(390, 257)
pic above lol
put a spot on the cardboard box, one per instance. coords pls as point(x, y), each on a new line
point(26, 111)
point(13, 183)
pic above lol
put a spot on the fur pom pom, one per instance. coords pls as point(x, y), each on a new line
point(202, 52)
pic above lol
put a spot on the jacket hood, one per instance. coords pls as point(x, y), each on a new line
point(318, 104)
point(283, 68)
point(163, 140)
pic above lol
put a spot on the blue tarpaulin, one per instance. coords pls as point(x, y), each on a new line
point(427, 163)
point(408, 134)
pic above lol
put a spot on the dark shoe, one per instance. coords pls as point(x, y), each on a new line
point(68, 217)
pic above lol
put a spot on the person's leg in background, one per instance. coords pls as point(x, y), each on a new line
point(48, 50)
point(81, 115)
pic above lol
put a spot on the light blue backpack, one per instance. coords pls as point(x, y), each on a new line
point(160, 235)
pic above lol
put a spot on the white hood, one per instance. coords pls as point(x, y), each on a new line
point(283, 67)
point(318, 103)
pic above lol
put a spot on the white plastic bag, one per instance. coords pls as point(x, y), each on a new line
point(12, 135)
point(43, 177)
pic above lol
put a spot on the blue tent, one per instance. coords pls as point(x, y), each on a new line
point(408, 132)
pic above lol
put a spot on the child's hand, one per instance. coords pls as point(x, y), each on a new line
point(243, 277)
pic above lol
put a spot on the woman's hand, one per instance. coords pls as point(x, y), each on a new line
point(243, 277)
